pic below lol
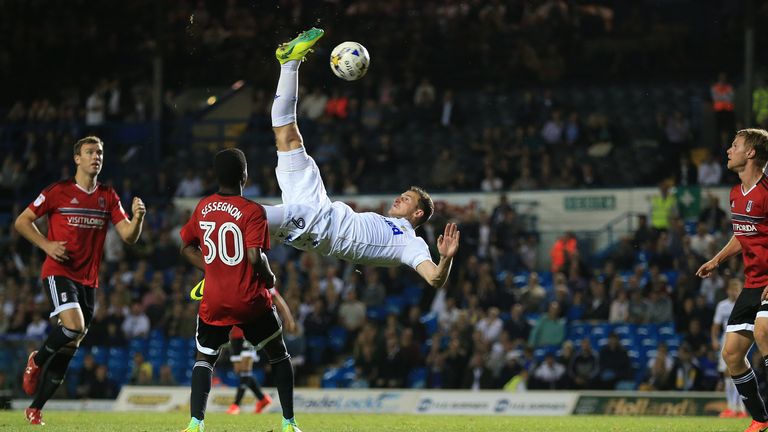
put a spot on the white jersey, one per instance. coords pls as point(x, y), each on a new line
point(362, 238)
point(308, 220)
point(723, 312)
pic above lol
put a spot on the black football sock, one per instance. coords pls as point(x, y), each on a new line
point(746, 383)
point(252, 384)
point(201, 386)
point(240, 390)
point(53, 376)
point(284, 379)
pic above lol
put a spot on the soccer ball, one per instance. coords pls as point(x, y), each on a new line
point(349, 61)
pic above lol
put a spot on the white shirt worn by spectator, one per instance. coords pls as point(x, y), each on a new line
point(549, 373)
point(710, 173)
point(37, 328)
point(491, 329)
point(95, 109)
point(135, 325)
point(190, 187)
point(312, 106)
point(722, 313)
point(702, 244)
point(710, 286)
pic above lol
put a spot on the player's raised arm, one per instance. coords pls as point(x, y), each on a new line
point(447, 245)
point(130, 230)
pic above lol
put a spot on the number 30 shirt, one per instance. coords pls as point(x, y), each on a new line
point(224, 227)
point(750, 226)
point(81, 219)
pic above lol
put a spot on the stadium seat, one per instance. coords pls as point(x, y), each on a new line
point(316, 349)
point(394, 304)
point(377, 313)
point(100, 354)
point(412, 295)
point(331, 378)
point(430, 322)
point(337, 336)
point(138, 345)
point(417, 378)
point(119, 353)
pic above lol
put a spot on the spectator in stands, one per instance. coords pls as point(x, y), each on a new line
point(491, 325)
point(663, 207)
point(688, 173)
point(550, 374)
point(141, 370)
point(455, 359)
point(352, 312)
point(549, 330)
point(584, 367)
point(38, 328)
point(86, 377)
point(102, 387)
point(619, 307)
point(702, 243)
point(685, 374)
point(373, 291)
point(614, 363)
point(563, 252)
point(95, 106)
point(477, 376)
point(312, 106)
point(659, 306)
point(191, 186)
point(165, 377)
point(659, 368)
point(712, 215)
point(598, 305)
point(696, 338)
point(710, 171)
point(517, 326)
point(136, 323)
point(723, 105)
point(532, 295)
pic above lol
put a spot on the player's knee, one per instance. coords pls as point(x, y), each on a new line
point(761, 334)
point(734, 358)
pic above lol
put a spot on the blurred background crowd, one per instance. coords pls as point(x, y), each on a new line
point(485, 96)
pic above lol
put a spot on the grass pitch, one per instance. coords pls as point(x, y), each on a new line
point(67, 421)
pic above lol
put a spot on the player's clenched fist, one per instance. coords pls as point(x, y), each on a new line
point(137, 208)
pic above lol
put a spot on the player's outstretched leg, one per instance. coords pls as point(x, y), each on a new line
point(290, 55)
point(201, 387)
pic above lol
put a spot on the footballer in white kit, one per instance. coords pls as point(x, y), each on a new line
point(308, 220)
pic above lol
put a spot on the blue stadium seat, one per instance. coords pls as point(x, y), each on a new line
point(177, 343)
point(377, 313)
point(430, 322)
point(600, 331)
point(316, 349)
point(100, 354)
point(624, 330)
point(230, 378)
point(417, 378)
point(119, 353)
point(394, 304)
point(77, 361)
point(412, 294)
point(331, 378)
point(578, 330)
point(337, 336)
point(667, 329)
point(138, 345)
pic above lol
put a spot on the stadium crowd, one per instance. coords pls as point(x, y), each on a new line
point(501, 321)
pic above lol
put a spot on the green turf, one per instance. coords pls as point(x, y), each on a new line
point(116, 422)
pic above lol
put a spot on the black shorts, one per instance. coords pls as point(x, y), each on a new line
point(64, 293)
point(209, 338)
point(241, 348)
point(748, 306)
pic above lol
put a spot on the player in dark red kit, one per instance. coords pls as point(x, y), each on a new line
point(748, 322)
point(226, 237)
point(79, 211)
point(244, 355)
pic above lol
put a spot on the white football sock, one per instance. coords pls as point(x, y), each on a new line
point(284, 105)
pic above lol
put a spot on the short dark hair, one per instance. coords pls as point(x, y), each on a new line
point(757, 139)
point(425, 204)
point(230, 166)
point(91, 139)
